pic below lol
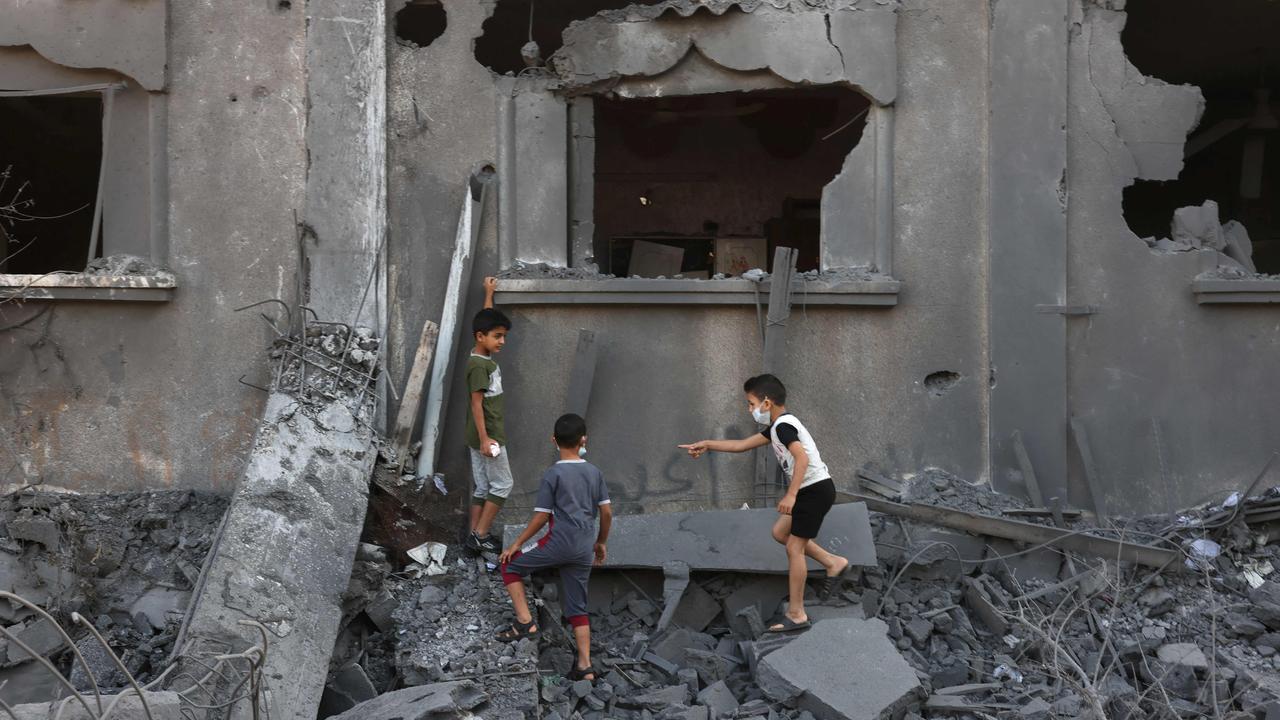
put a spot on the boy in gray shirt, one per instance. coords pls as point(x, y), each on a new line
point(571, 496)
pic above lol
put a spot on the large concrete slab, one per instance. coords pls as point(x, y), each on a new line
point(159, 706)
point(841, 670)
point(283, 557)
point(729, 540)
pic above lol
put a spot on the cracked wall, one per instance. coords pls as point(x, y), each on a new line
point(116, 395)
point(1178, 399)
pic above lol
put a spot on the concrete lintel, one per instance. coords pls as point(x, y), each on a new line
point(646, 291)
point(79, 286)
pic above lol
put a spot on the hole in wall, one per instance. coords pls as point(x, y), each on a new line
point(705, 184)
point(50, 152)
point(504, 36)
point(941, 382)
point(420, 22)
point(1233, 157)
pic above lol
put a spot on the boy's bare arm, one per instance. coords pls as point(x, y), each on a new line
point(490, 285)
point(477, 412)
point(602, 539)
point(801, 457)
point(697, 449)
point(536, 523)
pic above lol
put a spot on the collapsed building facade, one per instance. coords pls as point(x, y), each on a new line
point(1035, 241)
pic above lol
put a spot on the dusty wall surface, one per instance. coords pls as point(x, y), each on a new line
point(112, 396)
point(1204, 373)
point(441, 106)
point(672, 374)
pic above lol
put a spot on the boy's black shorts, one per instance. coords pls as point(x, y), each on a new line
point(812, 504)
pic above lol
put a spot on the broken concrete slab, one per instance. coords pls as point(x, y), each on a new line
point(159, 705)
point(349, 687)
point(764, 593)
point(284, 555)
point(719, 700)
point(696, 610)
point(1188, 654)
point(730, 540)
point(841, 670)
point(41, 636)
point(36, 529)
point(426, 702)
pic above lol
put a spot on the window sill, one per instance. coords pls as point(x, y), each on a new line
point(79, 286)
point(645, 291)
point(1218, 291)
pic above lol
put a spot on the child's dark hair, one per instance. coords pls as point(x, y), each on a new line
point(489, 319)
point(766, 387)
point(569, 430)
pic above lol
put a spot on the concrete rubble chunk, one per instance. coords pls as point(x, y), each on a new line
point(1188, 654)
point(42, 636)
point(696, 609)
point(719, 700)
point(427, 702)
point(656, 700)
point(727, 540)
point(162, 706)
point(36, 529)
point(764, 593)
point(841, 670)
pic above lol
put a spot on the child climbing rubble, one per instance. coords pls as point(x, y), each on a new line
point(486, 430)
point(810, 492)
point(571, 496)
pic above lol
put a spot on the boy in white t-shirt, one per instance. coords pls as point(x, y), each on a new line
point(810, 492)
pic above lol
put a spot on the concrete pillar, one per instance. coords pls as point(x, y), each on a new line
point(346, 139)
point(1028, 241)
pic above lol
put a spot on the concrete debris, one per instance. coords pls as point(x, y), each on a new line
point(726, 540)
point(288, 545)
point(159, 706)
point(429, 702)
point(842, 670)
point(124, 264)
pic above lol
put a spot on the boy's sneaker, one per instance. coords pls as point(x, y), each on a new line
point(476, 545)
point(490, 544)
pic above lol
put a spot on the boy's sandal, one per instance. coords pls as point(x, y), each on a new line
point(787, 625)
point(577, 674)
point(519, 631)
point(828, 584)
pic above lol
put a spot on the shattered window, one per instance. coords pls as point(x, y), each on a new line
point(50, 159)
point(706, 186)
point(1228, 194)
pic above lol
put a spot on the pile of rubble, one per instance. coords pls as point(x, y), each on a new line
point(127, 562)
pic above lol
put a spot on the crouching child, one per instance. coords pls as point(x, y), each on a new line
point(570, 497)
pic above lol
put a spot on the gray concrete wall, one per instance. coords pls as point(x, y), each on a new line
point(671, 374)
point(113, 395)
point(1205, 373)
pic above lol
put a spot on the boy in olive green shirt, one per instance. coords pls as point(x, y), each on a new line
point(486, 435)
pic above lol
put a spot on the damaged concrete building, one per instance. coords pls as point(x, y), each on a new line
point(1035, 244)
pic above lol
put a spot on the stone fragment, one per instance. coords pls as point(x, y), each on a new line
point(159, 706)
point(349, 687)
point(765, 593)
point(380, 609)
point(655, 700)
point(719, 700)
point(841, 670)
point(709, 666)
point(918, 629)
point(1183, 654)
point(1242, 625)
point(689, 677)
point(35, 528)
point(696, 609)
point(581, 689)
point(426, 702)
point(1157, 601)
point(41, 636)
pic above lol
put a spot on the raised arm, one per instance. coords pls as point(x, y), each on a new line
point(751, 442)
point(490, 285)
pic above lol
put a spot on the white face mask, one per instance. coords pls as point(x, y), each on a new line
point(582, 451)
point(760, 415)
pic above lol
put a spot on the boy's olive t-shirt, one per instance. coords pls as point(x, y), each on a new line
point(484, 375)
